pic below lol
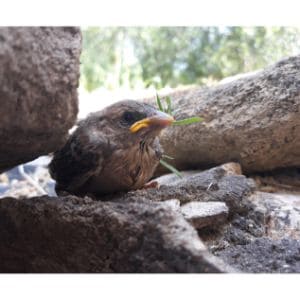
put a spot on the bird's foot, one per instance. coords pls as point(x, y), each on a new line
point(153, 184)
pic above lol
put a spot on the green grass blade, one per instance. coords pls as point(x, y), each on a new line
point(188, 121)
point(171, 168)
point(159, 103)
point(167, 156)
point(169, 107)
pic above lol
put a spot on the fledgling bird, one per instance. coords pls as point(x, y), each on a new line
point(112, 150)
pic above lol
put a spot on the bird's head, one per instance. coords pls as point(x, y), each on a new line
point(136, 120)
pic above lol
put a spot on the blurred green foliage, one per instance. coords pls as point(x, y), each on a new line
point(114, 57)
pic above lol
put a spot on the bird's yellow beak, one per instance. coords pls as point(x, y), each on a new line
point(159, 120)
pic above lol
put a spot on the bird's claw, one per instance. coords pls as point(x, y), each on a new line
point(151, 185)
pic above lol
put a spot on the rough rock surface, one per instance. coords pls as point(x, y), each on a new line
point(203, 214)
point(264, 239)
point(216, 184)
point(72, 234)
point(38, 90)
point(279, 213)
point(254, 121)
point(145, 230)
point(265, 255)
point(173, 204)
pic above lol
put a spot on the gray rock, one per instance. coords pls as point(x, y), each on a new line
point(173, 204)
point(173, 179)
point(253, 120)
point(265, 255)
point(279, 213)
point(70, 234)
point(216, 184)
point(205, 214)
point(38, 90)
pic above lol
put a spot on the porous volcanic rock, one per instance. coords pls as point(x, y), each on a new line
point(38, 90)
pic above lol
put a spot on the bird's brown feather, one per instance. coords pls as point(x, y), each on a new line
point(102, 155)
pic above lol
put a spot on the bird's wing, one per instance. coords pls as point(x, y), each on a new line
point(78, 160)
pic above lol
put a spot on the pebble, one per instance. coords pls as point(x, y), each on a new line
point(173, 204)
point(205, 214)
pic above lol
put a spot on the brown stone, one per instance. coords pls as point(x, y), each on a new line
point(254, 120)
point(38, 90)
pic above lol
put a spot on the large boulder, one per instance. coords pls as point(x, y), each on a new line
point(139, 231)
point(72, 234)
point(38, 90)
point(254, 120)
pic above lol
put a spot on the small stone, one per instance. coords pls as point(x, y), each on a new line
point(173, 179)
point(232, 168)
point(204, 214)
point(173, 204)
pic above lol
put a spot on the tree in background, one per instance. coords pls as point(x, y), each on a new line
point(115, 57)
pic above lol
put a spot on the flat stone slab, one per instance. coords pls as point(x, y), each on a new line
point(204, 214)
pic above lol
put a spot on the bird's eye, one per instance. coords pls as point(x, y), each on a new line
point(128, 118)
